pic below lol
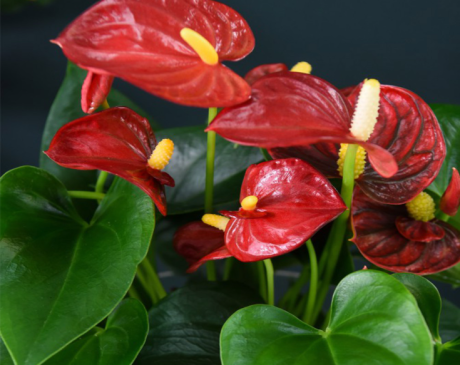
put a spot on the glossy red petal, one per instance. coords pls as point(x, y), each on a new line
point(116, 140)
point(419, 231)
point(380, 242)
point(262, 70)
point(299, 201)
point(139, 41)
point(197, 243)
point(94, 91)
point(450, 200)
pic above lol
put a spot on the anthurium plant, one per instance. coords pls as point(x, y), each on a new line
point(289, 171)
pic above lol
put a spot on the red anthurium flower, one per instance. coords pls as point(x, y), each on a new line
point(263, 70)
point(170, 48)
point(407, 128)
point(283, 203)
point(118, 141)
point(450, 200)
point(198, 242)
point(404, 238)
point(94, 91)
point(297, 109)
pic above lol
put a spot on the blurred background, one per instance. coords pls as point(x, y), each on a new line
point(414, 44)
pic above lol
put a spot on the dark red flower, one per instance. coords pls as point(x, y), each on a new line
point(407, 128)
point(450, 200)
point(94, 91)
point(295, 109)
point(143, 42)
point(118, 141)
point(260, 71)
point(390, 237)
point(198, 242)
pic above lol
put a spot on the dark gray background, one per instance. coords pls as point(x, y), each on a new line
point(410, 43)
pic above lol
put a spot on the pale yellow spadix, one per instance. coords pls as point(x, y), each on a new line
point(303, 67)
point(366, 110)
point(200, 45)
point(249, 203)
point(422, 207)
point(161, 154)
point(216, 221)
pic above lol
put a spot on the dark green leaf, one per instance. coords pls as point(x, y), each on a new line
point(5, 358)
point(449, 323)
point(374, 320)
point(427, 297)
point(60, 276)
point(449, 353)
point(450, 276)
point(188, 168)
point(185, 326)
point(119, 343)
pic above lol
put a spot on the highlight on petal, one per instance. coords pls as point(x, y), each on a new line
point(388, 238)
point(263, 70)
point(116, 140)
point(94, 91)
point(140, 41)
point(450, 200)
point(297, 200)
point(197, 243)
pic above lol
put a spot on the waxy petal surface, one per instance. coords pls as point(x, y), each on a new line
point(197, 243)
point(94, 91)
point(139, 41)
point(406, 128)
point(377, 237)
point(260, 71)
point(116, 140)
point(299, 201)
point(295, 109)
point(419, 231)
point(450, 200)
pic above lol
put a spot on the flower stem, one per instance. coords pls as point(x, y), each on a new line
point(262, 280)
point(337, 234)
point(154, 279)
point(266, 154)
point(101, 181)
point(146, 285)
point(228, 267)
point(133, 293)
point(313, 283)
point(289, 300)
point(443, 216)
point(85, 194)
point(209, 184)
point(270, 281)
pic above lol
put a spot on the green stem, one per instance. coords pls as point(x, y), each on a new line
point(85, 194)
point(263, 290)
point(270, 281)
point(313, 283)
point(101, 181)
point(337, 234)
point(209, 184)
point(146, 285)
point(105, 104)
point(443, 216)
point(228, 267)
point(290, 298)
point(266, 154)
point(133, 293)
point(154, 279)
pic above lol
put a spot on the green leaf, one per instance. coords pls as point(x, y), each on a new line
point(5, 358)
point(185, 326)
point(60, 276)
point(449, 120)
point(449, 276)
point(449, 323)
point(119, 343)
point(374, 320)
point(427, 297)
point(449, 353)
point(67, 108)
point(188, 168)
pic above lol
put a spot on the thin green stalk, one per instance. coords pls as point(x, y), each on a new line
point(209, 184)
point(313, 284)
point(146, 285)
point(133, 293)
point(266, 154)
point(337, 234)
point(263, 290)
point(101, 181)
point(443, 216)
point(154, 279)
point(228, 267)
point(290, 298)
point(85, 194)
point(270, 281)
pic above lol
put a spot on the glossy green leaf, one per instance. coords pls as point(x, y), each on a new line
point(185, 326)
point(5, 358)
point(60, 276)
point(449, 323)
point(119, 343)
point(449, 353)
point(188, 168)
point(427, 297)
point(66, 108)
point(374, 320)
point(449, 276)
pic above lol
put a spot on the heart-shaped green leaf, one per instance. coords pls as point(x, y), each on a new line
point(188, 168)
point(119, 343)
point(185, 326)
point(449, 322)
point(449, 353)
point(5, 358)
point(374, 320)
point(60, 276)
point(450, 276)
point(427, 297)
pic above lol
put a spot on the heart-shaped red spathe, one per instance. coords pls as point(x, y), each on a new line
point(94, 91)
point(260, 71)
point(116, 140)
point(408, 129)
point(295, 109)
point(197, 243)
point(377, 231)
point(296, 201)
point(139, 41)
point(450, 200)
